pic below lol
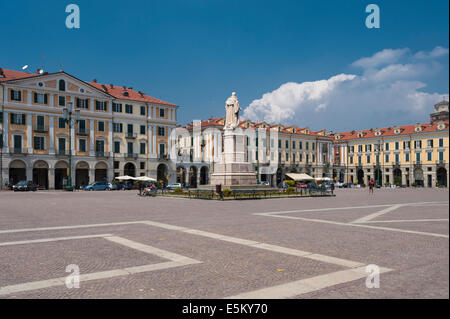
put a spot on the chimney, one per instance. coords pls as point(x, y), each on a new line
point(112, 86)
point(124, 87)
point(95, 81)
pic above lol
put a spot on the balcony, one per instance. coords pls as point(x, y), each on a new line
point(163, 157)
point(131, 155)
point(130, 135)
point(40, 128)
point(82, 131)
point(62, 153)
point(18, 151)
point(101, 154)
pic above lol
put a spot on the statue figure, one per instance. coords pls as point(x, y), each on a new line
point(232, 108)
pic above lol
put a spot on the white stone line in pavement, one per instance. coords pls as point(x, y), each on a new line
point(47, 240)
point(348, 207)
point(356, 225)
point(304, 286)
point(408, 220)
point(255, 244)
point(375, 215)
point(86, 277)
point(152, 250)
point(8, 231)
point(176, 260)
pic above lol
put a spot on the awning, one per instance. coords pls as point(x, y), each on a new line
point(144, 179)
point(125, 177)
point(300, 177)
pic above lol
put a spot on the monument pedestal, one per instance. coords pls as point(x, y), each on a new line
point(233, 170)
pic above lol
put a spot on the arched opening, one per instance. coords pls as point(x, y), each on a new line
point(129, 169)
point(181, 175)
point(61, 174)
point(17, 172)
point(360, 176)
point(441, 177)
point(193, 177)
point(82, 174)
point(40, 174)
point(101, 170)
point(279, 176)
point(161, 173)
point(204, 175)
point(341, 176)
point(378, 176)
point(418, 177)
point(397, 177)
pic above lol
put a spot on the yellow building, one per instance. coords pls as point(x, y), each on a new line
point(120, 131)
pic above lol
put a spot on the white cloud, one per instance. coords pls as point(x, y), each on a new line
point(387, 92)
point(435, 53)
point(387, 56)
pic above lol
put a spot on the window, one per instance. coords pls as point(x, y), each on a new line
point(142, 110)
point(130, 129)
point(313, 145)
point(117, 107)
point(142, 148)
point(429, 156)
point(300, 157)
point(101, 126)
point(441, 156)
point(101, 105)
point(1, 140)
point(162, 149)
point(16, 95)
point(293, 145)
point(142, 129)
point(441, 142)
point(162, 113)
point(418, 157)
point(40, 98)
point(82, 126)
point(100, 146)
point(313, 158)
point(429, 143)
point(406, 145)
point(386, 158)
point(293, 158)
point(377, 158)
point(62, 145)
point(407, 157)
point(61, 123)
point(116, 165)
point(62, 85)
point(279, 156)
point(117, 127)
point(287, 156)
point(300, 145)
point(279, 143)
point(359, 159)
point(116, 147)
point(368, 159)
point(62, 100)
point(82, 145)
point(307, 145)
point(1, 117)
point(142, 165)
point(39, 143)
point(18, 119)
point(418, 144)
point(397, 146)
point(129, 108)
point(161, 131)
point(397, 158)
point(286, 144)
point(360, 148)
point(386, 146)
point(82, 103)
point(17, 143)
point(307, 158)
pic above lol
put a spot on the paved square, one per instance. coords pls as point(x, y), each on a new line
point(132, 247)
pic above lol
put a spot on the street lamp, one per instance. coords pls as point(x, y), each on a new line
point(70, 117)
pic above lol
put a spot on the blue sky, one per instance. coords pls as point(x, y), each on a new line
point(195, 53)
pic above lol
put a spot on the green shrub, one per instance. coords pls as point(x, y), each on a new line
point(290, 183)
point(290, 189)
point(227, 192)
point(178, 190)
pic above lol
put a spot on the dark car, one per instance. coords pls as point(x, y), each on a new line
point(25, 186)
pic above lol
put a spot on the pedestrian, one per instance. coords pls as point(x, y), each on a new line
point(371, 185)
point(332, 188)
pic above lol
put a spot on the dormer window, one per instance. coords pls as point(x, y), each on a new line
point(337, 137)
point(377, 133)
point(441, 126)
point(360, 134)
point(125, 94)
point(62, 85)
point(418, 129)
point(397, 131)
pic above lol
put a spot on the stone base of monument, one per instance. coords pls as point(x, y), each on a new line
point(234, 174)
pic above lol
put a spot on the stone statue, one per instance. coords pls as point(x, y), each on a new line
point(232, 108)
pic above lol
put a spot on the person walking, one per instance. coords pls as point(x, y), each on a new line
point(332, 188)
point(371, 185)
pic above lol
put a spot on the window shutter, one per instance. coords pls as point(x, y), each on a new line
point(45, 98)
point(23, 119)
point(35, 97)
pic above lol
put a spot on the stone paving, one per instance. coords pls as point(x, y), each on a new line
point(127, 246)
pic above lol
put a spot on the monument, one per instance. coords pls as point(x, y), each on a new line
point(233, 170)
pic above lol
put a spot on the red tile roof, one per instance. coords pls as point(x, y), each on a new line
point(389, 131)
point(116, 91)
point(7, 75)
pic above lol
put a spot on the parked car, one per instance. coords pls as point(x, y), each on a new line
point(173, 186)
point(116, 186)
point(338, 184)
point(264, 183)
point(25, 186)
point(98, 186)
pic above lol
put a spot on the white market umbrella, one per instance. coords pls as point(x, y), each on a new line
point(144, 179)
point(125, 177)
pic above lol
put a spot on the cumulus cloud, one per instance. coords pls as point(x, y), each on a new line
point(390, 90)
